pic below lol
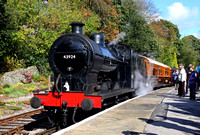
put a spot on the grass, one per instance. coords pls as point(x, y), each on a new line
point(13, 107)
point(2, 112)
point(20, 89)
point(12, 102)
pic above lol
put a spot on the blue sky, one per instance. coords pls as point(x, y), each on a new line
point(183, 13)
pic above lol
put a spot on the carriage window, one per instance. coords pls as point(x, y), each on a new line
point(160, 72)
point(166, 73)
point(154, 71)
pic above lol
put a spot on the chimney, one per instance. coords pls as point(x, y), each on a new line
point(77, 27)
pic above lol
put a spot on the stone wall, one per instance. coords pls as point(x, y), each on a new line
point(16, 76)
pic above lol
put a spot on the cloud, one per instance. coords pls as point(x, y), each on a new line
point(186, 18)
point(177, 12)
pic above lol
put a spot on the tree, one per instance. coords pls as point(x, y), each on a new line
point(168, 37)
point(192, 41)
point(146, 9)
point(7, 47)
point(139, 35)
point(108, 16)
point(166, 30)
point(190, 45)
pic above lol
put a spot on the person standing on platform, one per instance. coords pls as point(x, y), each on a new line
point(192, 83)
point(175, 74)
point(198, 78)
point(189, 72)
point(181, 81)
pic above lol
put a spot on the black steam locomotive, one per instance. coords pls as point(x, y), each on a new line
point(88, 74)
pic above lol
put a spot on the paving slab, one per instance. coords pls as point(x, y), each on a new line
point(182, 118)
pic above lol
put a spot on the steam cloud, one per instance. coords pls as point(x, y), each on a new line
point(142, 84)
point(119, 37)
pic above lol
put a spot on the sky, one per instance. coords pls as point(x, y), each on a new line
point(183, 13)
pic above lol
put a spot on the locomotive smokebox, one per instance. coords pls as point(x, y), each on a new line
point(77, 27)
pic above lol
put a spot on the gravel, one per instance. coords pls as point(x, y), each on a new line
point(15, 102)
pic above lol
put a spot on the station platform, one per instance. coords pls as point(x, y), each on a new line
point(160, 112)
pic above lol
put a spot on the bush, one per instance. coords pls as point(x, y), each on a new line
point(8, 90)
point(36, 78)
point(6, 86)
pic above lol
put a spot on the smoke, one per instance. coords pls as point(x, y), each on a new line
point(119, 37)
point(143, 84)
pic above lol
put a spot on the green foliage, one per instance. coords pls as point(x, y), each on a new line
point(15, 94)
point(172, 49)
point(107, 16)
point(12, 63)
point(2, 112)
point(35, 25)
point(6, 46)
point(19, 89)
point(12, 102)
point(13, 107)
point(193, 45)
point(6, 86)
point(185, 56)
point(41, 79)
point(36, 78)
point(168, 40)
point(168, 55)
point(2, 103)
point(139, 35)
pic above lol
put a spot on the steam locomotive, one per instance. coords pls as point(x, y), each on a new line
point(89, 74)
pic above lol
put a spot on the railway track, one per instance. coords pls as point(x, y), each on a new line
point(17, 123)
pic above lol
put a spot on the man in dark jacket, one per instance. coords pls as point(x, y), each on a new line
point(189, 72)
point(192, 83)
